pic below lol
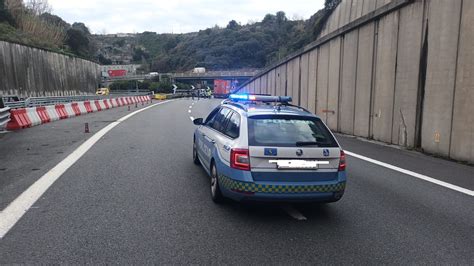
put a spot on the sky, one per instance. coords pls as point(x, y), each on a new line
point(174, 16)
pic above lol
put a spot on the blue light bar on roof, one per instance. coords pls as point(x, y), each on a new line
point(260, 98)
point(244, 97)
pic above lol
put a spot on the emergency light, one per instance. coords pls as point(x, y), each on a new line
point(259, 98)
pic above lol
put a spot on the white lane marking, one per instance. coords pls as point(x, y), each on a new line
point(189, 111)
point(17, 208)
point(291, 211)
point(410, 173)
point(192, 118)
point(191, 107)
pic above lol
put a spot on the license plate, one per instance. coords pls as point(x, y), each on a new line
point(297, 164)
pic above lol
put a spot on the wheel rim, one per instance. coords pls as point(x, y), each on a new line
point(213, 181)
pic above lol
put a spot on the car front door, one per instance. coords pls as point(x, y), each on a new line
point(210, 133)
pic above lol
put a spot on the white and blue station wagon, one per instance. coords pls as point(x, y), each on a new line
point(262, 148)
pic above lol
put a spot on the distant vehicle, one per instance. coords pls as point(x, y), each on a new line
point(261, 148)
point(103, 91)
point(222, 88)
point(199, 70)
point(153, 74)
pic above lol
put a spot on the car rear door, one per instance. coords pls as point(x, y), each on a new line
point(292, 149)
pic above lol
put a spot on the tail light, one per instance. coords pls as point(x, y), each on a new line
point(240, 159)
point(342, 161)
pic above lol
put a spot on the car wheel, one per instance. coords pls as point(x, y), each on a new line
point(195, 154)
point(216, 193)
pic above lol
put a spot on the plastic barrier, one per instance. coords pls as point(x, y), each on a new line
point(61, 111)
point(18, 119)
point(88, 106)
point(27, 117)
point(94, 107)
point(43, 114)
point(53, 114)
point(33, 116)
point(98, 106)
point(69, 110)
point(82, 108)
point(76, 109)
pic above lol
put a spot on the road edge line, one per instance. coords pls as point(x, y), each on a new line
point(20, 205)
point(413, 174)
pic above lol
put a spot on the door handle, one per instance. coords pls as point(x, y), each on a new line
point(212, 141)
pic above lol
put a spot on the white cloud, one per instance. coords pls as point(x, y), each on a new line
point(176, 16)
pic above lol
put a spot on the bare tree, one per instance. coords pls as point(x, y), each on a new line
point(38, 7)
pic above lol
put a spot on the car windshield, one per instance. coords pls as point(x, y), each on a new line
point(289, 131)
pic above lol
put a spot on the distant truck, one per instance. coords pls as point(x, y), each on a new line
point(222, 88)
point(199, 70)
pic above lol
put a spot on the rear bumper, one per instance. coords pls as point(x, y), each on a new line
point(278, 191)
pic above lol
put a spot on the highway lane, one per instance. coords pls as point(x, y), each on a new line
point(136, 197)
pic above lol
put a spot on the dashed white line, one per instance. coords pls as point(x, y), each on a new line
point(16, 209)
point(192, 118)
point(413, 174)
point(189, 111)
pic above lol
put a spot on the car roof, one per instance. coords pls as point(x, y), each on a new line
point(253, 109)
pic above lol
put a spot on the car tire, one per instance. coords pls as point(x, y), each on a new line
point(216, 193)
point(195, 154)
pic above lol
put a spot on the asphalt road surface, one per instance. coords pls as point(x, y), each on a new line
point(136, 197)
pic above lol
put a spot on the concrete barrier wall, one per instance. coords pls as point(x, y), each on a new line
point(27, 72)
point(400, 71)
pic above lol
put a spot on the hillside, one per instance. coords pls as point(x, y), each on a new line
point(236, 46)
point(233, 47)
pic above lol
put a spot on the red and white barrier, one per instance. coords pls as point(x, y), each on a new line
point(82, 108)
point(28, 117)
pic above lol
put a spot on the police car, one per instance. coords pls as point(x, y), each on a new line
point(262, 148)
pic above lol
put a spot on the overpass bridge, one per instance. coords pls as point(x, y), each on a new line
point(187, 77)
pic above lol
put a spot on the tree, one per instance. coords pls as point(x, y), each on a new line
point(38, 7)
point(81, 27)
point(331, 4)
point(233, 25)
point(5, 15)
point(54, 20)
point(268, 19)
point(77, 41)
point(281, 17)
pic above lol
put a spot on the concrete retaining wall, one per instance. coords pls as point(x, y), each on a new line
point(27, 72)
point(397, 71)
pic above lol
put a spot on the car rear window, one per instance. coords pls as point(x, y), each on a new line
point(287, 131)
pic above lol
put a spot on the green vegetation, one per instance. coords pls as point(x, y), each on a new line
point(254, 45)
point(31, 23)
point(236, 46)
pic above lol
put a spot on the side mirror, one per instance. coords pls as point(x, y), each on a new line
point(198, 121)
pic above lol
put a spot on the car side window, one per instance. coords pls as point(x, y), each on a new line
point(233, 126)
point(220, 120)
point(211, 117)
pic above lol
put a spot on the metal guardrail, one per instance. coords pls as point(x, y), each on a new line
point(132, 92)
point(4, 118)
point(43, 101)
